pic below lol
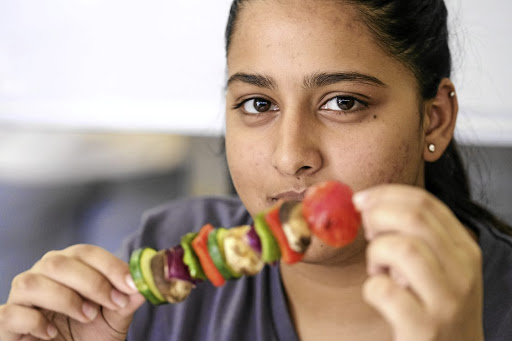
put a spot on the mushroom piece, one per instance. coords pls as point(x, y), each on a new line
point(240, 256)
point(174, 290)
point(295, 227)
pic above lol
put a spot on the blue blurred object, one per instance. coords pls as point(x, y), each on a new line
point(37, 218)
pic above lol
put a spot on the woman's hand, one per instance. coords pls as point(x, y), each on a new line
point(425, 269)
point(80, 293)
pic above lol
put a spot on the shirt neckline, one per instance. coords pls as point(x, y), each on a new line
point(281, 318)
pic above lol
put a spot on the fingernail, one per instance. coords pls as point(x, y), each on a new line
point(129, 282)
point(119, 298)
point(359, 199)
point(89, 310)
point(52, 331)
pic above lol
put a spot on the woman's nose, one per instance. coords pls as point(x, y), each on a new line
point(297, 147)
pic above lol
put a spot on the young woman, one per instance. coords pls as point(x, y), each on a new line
point(356, 91)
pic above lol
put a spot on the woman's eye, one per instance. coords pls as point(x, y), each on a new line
point(342, 103)
point(258, 106)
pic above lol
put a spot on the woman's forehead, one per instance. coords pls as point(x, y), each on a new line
point(290, 39)
point(306, 14)
point(297, 8)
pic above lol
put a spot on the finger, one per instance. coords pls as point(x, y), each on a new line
point(82, 278)
point(392, 213)
point(19, 320)
point(399, 307)
point(408, 196)
point(113, 268)
point(405, 200)
point(411, 259)
point(385, 217)
point(35, 290)
point(120, 319)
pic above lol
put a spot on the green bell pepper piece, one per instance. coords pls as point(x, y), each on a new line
point(270, 251)
point(190, 258)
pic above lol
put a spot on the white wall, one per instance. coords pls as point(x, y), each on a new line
point(144, 65)
point(482, 49)
point(159, 65)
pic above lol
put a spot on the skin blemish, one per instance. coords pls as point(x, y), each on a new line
point(374, 117)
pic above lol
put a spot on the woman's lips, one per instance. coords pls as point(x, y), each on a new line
point(288, 195)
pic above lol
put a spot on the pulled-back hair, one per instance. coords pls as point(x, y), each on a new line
point(415, 32)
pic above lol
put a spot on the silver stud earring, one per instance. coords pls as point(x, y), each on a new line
point(431, 147)
point(452, 94)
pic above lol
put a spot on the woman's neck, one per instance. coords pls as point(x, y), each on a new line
point(326, 302)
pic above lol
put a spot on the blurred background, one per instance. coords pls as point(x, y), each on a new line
point(108, 108)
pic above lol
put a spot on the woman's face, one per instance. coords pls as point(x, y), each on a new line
point(312, 97)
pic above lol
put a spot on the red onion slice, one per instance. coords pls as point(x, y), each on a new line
point(175, 267)
point(254, 240)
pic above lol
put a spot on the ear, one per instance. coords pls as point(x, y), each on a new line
point(439, 121)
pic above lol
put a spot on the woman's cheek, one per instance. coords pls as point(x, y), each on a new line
point(395, 162)
point(245, 166)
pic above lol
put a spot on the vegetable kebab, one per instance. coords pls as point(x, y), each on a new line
point(218, 254)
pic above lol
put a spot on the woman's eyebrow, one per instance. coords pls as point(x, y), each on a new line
point(260, 81)
point(315, 80)
point(327, 78)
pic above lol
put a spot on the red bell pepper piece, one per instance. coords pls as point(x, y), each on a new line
point(200, 245)
point(288, 255)
point(330, 213)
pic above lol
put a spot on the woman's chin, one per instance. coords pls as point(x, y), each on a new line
point(322, 254)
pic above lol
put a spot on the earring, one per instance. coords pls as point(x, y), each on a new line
point(431, 147)
point(452, 94)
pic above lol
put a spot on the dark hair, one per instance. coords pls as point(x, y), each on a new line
point(416, 33)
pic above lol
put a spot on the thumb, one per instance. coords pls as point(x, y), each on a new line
point(120, 319)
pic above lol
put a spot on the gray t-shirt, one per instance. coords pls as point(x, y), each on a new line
point(254, 308)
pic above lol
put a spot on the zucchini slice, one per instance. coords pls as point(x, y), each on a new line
point(217, 257)
point(221, 233)
point(140, 269)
